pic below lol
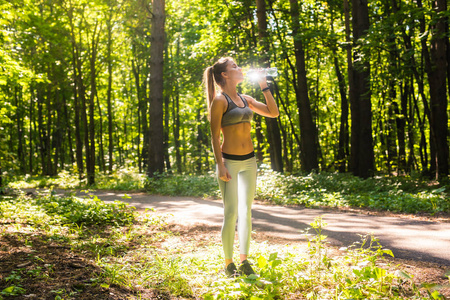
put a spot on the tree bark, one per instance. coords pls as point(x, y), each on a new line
point(361, 155)
point(273, 131)
point(176, 115)
point(308, 131)
point(437, 75)
point(20, 129)
point(108, 95)
point(343, 144)
point(156, 133)
point(90, 153)
point(79, 95)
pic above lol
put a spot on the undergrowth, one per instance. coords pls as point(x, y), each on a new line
point(405, 194)
point(144, 253)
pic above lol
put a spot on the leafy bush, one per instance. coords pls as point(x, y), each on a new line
point(53, 209)
point(397, 194)
point(124, 179)
point(183, 185)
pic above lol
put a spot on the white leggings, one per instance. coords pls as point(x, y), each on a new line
point(238, 195)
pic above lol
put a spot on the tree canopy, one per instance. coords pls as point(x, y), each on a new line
point(362, 86)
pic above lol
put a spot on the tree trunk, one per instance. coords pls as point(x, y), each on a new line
point(58, 134)
point(20, 129)
point(41, 131)
point(145, 123)
point(90, 139)
point(362, 155)
point(166, 134)
point(79, 96)
point(308, 137)
point(30, 130)
point(108, 95)
point(343, 144)
point(401, 117)
point(437, 75)
point(48, 144)
point(156, 133)
point(273, 131)
point(1, 181)
point(176, 132)
point(101, 155)
point(139, 113)
point(420, 83)
point(69, 129)
point(411, 161)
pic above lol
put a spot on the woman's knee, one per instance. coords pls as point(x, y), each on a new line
point(230, 214)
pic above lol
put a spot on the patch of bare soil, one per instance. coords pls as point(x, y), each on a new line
point(425, 272)
point(45, 269)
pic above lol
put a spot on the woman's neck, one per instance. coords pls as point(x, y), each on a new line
point(230, 90)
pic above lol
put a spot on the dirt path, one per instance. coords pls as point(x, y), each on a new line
point(408, 238)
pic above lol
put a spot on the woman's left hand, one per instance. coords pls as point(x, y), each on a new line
point(262, 80)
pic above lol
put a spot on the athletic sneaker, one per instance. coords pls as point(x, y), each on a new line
point(231, 270)
point(245, 268)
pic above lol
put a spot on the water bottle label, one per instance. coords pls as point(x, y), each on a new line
point(255, 75)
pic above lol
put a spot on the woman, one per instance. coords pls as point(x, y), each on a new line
point(231, 113)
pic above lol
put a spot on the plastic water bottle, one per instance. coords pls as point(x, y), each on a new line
point(254, 74)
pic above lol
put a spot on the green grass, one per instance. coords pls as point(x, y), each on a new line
point(404, 194)
point(141, 252)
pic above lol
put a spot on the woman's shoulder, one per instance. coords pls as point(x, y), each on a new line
point(219, 102)
point(219, 99)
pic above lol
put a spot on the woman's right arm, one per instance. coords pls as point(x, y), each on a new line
point(217, 109)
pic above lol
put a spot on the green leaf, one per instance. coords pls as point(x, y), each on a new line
point(8, 290)
point(273, 256)
point(275, 263)
point(400, 273)
point(253, 276)
point(437, 295)
point(388, 251)
point(262, 262)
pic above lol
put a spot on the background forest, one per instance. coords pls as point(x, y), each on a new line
point(362, 86)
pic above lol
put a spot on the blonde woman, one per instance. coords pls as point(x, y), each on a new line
point(230, 115)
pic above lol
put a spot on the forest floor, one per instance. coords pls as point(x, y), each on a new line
point(200, 219)
point(413, 237)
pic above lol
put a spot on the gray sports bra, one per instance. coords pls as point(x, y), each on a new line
point(235, 114)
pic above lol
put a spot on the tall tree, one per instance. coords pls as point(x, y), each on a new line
point(308, 137)
point(437, 77)
point(156, 134)
point(343, 144)
point(78, 87)
point(90, 151)
point(109, 27)
point(362, 155)
point(273, 130)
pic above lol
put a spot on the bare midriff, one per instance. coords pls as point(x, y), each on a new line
point(237, 139)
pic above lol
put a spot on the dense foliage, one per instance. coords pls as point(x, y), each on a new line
point(408, 194)
point(74, 82)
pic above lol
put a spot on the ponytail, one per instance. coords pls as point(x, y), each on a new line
point(213, 76)
point(210, 89)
